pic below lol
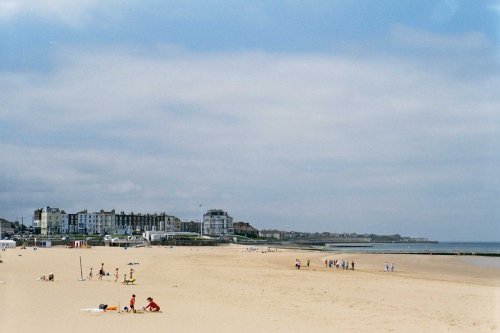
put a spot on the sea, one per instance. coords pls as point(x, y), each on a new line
point(485, 254)
point(479, 248)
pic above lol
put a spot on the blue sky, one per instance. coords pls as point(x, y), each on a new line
point(342, 116)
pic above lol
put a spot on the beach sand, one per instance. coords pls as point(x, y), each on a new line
point(227, 289)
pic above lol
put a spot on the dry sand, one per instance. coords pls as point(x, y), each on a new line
point(226, 289)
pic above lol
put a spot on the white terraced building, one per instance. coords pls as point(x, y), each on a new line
point(51, 220)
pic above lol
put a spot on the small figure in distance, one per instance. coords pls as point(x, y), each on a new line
point(152, 306)
point(101, 272)
point(91, 274)
point(116, 274)
point(352, 264)
point(51, 277)
point(132, 304)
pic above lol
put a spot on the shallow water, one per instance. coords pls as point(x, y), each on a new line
point(442, 247)
point(490, 262)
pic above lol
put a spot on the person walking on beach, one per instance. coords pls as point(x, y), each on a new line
point(101, 271)
point(116, 274)
point(352, 264)
point(152, 306)
point(131, 274)
point(91, 274)
point(392, 267)
point(132, 303)
point(308, 262)
point(386, 267)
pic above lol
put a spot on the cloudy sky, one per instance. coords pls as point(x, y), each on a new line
point(341, 116)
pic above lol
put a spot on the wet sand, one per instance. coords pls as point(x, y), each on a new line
point(227, 289)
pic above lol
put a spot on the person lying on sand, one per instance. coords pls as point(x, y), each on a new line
point(152, 306)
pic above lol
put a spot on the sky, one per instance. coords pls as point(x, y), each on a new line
point(341, 116)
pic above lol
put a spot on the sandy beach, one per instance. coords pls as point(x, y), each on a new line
point(230, 289)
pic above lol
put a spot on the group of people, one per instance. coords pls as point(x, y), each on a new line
point(343, 264)
point(49, 277)
point(102, 273)
point(388, 268)
point(151, 306)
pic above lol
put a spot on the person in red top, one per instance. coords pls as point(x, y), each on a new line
point(132, 303)
point(152, 306)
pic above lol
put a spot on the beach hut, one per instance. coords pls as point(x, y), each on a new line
point(45, 243)
point(7, 243)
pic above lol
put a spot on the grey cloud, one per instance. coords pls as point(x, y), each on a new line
point(309, 142)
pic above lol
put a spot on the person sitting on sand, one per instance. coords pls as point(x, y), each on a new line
point(42, 277)
point(152, 306)
point(51, 277)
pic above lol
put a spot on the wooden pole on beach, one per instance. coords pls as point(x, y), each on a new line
point(81, 271)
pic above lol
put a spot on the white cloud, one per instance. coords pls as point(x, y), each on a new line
point(276, 139)
point(73, 12)
point(416, 38)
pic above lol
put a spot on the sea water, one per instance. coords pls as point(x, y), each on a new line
point(492, 248)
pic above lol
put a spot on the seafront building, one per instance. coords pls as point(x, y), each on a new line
point(245, 229)
point(51, 221)
point(217, 222)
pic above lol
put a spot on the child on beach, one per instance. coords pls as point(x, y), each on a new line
point(91, 274)
point(152, 306)
point(132, 303)
point(116, 274)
